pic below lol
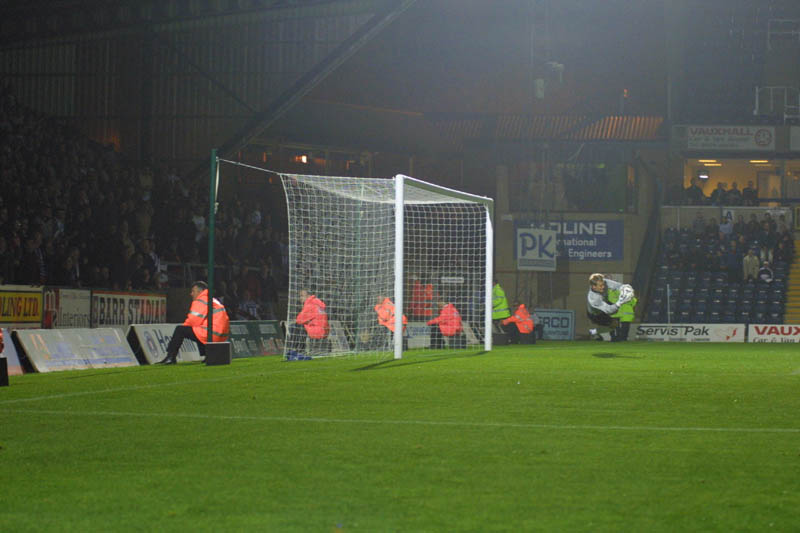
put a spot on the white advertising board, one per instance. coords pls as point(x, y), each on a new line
point(688, 332)
point(536, 249)
point(731, 137)
point(773, 333)
point(152, 340)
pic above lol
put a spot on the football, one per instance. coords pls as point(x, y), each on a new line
point(626, 293)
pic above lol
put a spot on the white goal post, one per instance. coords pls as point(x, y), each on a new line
point(353, 242)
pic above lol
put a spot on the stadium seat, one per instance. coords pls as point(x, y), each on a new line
point(714, 317)
point(729, 316)
point(758, 317)
point(743, 316)
point(684, 316)
point(775, 318)
point(699, 317)
point(775, 307)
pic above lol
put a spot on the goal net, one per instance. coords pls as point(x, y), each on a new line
point(356, 242)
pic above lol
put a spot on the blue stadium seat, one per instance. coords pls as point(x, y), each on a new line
point(743, 316)
point(775, 307)
point(758, 317)
point(699, 317)
point(774, 318)
point(714, 317)
point(684, 316)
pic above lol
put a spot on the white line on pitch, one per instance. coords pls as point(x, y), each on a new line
point(124, 389)
point(406, 422)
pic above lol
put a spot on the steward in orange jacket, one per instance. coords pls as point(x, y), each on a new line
point(385, 310)
point(313, 316)
point(449, 322)
point(421, 304)
point(195, 327)
point(522, 318)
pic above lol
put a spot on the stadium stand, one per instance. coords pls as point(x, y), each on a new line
point(73, 213)
point(698, 275)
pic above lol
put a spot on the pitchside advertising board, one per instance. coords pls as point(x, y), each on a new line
point(20, 306)
point(66, 308)
point(257, 337)
point(50, 350)
point(115, 308)
point(149, 343)
point(556, 324)
point(10, 353)
point(773, 333)
point(688, 332)
point(419, 334)
point(576, 240)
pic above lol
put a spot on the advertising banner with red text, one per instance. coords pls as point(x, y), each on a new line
point(20, 306)
point(66, 308)
point(773, 333)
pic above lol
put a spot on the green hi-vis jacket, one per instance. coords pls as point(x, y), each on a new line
point(626, 312)
point(500, 307)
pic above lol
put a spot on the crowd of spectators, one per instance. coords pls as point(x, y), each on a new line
point(720, 196)
point(74, 213)
point(742, 250)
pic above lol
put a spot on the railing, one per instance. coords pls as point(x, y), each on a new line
point(778, 100)
point(783, 29)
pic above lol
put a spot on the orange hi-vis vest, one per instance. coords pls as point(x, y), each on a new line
point(522, 318)
point(421, 304)
point(197, 319)
point(385, 311)
point(314, 318)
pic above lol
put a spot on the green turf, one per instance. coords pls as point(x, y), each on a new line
point(552, 437)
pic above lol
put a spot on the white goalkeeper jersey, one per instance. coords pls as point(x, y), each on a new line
point(598, 302)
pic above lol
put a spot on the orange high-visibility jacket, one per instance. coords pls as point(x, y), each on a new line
point(449, 321)
point(522, 318)
point(314, 318)
point(197, 318)
point(421, 303)
point(385, 311)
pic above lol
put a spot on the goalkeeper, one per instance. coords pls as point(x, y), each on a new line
point(599, 309)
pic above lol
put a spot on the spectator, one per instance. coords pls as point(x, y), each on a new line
point(248, 308)
point(750, 265)
point(749, 194)
point(781, 254)
point(734, 196)
point(765, 273)
point(693, 194)
point(733, 263)
point(698, 224)
point(719, 195)
point(726, 227)
point(765, 254)
point(740, 226)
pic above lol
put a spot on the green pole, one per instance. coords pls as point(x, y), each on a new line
point(211, 213)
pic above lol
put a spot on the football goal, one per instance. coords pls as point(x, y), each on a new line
point(355, 243)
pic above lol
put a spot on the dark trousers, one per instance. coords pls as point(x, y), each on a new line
point(178, 336)
point(458, 340)
point(298, 339)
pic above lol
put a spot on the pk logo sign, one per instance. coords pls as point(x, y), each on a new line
point(536, 249)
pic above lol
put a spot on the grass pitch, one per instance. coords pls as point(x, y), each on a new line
point(551, 437)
